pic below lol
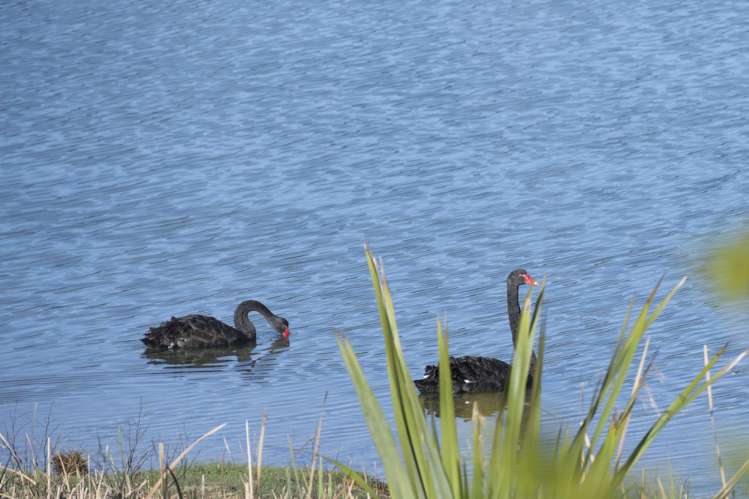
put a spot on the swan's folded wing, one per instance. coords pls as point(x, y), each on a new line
point(193, 331)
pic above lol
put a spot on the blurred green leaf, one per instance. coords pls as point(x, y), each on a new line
point(728, 268)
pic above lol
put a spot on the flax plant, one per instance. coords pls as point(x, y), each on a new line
point(421, 461)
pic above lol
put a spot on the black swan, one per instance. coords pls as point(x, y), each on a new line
point(203, 331)
point(472, 374)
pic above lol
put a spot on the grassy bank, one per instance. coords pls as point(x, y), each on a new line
point(191, 481)
point(32, 470)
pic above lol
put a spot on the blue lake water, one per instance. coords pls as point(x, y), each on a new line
point(165, 158)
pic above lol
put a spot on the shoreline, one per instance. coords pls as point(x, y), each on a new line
point(199, 480)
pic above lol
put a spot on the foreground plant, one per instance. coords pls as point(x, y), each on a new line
point(426, 462)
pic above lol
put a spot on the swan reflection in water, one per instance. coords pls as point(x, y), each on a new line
point(247, 359)
point(488, 404)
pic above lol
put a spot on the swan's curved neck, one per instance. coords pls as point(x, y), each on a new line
point(513, 313)
point(241, 316)
point(513, 310)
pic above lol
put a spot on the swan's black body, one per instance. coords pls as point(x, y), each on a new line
point(470, 374)
point(203, 331)
point(473, 374)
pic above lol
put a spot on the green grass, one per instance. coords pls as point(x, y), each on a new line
point(423, 461)
point(34, 472)
point(194, 481)
point(281, 481)
point(229, 480)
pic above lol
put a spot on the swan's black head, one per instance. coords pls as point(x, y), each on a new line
point(281, 326)
point(519, 277)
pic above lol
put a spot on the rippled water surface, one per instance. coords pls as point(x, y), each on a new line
point(165, 158)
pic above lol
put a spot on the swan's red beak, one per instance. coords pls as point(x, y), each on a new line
point(285, 333)
point(529, 280)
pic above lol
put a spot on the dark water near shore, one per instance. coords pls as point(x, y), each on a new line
point(161, 158)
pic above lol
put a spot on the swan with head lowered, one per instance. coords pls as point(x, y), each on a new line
point(204, 331)
point(472, 374)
